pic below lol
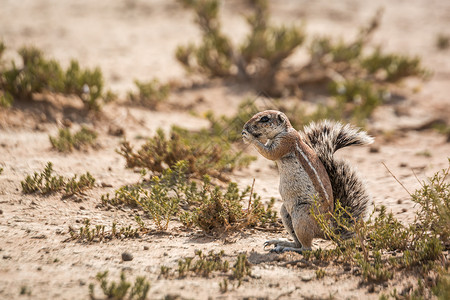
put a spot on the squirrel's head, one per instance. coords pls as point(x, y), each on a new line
point(267, 124)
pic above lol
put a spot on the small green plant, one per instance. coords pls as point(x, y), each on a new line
point(205, 265)
point(46, 183)
point(98, 233)
point(442, 289)
point(150, 94)
point(434, 203)
point(6, 100)
point(223, 286)
point(74, 186)
point(122, 289)
point(161, 200)
point(67, 142)
point(206, 205)
point(320, 273)
point(224, 210)
point(39, 74)
point(241, 268)
point(376, 270)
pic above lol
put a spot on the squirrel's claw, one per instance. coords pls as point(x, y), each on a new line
point(281, 249)
point(282, 246)
point(269, 243)
point(277, 249)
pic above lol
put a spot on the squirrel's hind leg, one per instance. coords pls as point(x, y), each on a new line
point(283, 245)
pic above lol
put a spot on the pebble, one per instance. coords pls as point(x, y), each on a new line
point(307, 278)
point(374, 149)
point(127, 256)
point(146, 248)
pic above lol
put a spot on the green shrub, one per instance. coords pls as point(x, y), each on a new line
point(205, 206)
point(383, 246)
point(74, 186)
point(214, 56)
point(6, 100)
point(67, 142)
point(356, 99)
point(205, 265)
point(39, 74)
point(442, 289)
point(121, 290)
point(434, 207)
point(259, 57)
point(88, 233)
point(150, 94)
point(392, 67)
point(229, 128)
point(204, 153)
point(241, 268)
point(349, 65)
point(46, 183)
point(224, 210)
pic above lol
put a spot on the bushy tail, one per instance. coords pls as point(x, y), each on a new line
point(327, 137)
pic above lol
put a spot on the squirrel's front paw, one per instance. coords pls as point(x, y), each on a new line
point(247, 137)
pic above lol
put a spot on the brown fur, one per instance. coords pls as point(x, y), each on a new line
point(309, 173)
point(303, 178)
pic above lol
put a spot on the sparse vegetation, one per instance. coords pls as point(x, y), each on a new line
point(75, 186)
point(67, 142)
point(360, 77)
point(98, 233)
point(122, 289)
point(203, 265)
point(46, 183)
point(38, 74)
point(205, 206)
point(206, 265)
point(420, 244)
point(205, 153)
point(150, 94)
point(241, 268)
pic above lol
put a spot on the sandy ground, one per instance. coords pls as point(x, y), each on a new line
point(137, 39)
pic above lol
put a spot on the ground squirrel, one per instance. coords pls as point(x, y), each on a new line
point(308, 171)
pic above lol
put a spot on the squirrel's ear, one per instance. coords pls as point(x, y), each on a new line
point(281, 118)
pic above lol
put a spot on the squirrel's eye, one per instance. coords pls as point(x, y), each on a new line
point(264, 119)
